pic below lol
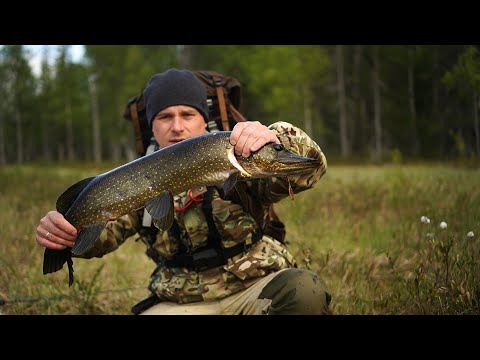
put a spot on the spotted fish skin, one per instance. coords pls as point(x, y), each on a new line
point(152, 180)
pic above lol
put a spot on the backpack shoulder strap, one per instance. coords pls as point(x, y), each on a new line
point(218, 81)
point(139, 146)
point(266, 218)
point(214, 238)
point(136, 113)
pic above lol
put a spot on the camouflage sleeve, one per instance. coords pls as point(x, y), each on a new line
point(115, 234)
point(297, 141)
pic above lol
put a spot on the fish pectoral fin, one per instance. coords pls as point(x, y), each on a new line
point(229, 184)
point(159, 206)
point(240, 189)
point(86, 238)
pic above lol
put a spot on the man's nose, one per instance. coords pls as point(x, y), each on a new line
point(178, 124)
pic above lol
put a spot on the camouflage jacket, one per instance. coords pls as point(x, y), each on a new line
point(234, 226)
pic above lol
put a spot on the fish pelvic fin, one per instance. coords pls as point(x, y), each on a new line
point(86, 238)
point(53, 260)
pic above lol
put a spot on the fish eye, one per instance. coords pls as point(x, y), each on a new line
point(278, 147)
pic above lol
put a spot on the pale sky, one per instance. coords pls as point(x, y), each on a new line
point(37, 51)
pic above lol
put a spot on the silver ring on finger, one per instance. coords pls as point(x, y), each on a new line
point(46, 236)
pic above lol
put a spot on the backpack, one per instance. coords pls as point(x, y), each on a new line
point(223, 99)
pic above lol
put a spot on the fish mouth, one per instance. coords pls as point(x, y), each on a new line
point(295, 164)
point(289, 159)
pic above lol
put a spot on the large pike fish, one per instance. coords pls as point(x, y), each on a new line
point(152, 181)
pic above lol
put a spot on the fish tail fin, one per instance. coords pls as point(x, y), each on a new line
point(70, 270)
point(53, 260)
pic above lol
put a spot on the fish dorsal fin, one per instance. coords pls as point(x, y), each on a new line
point(70, 195)
point(86, 238)
point(161, 210)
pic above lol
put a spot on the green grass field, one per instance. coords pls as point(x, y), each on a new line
point(359, 229)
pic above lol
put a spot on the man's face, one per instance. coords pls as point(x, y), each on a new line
point(177, 123)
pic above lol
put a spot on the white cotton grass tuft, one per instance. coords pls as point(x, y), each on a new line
point(425, 220)
point(470, 234)
point(443, 225)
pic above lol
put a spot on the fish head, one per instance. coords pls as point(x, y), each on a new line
point(275, 160)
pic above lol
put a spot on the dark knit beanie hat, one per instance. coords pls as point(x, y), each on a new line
point(174, 87)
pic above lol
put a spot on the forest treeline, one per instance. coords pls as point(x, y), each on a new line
point(369, 102)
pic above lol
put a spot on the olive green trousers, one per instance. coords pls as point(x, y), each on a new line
point(286, 292)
